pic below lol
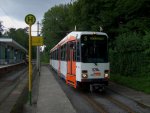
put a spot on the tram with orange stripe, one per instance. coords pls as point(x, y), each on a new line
point(81, 58)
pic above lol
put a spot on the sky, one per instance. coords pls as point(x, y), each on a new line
point(13, 12)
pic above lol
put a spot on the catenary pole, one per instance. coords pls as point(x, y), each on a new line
point(38, 49)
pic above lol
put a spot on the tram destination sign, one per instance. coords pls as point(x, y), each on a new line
point(92, 38)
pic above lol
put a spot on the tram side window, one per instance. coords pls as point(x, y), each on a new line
point(68, 51)
point(74, 51)
point(62, 53)
point(51, 56)
point(56, 54)
point(65, 52)
point(78, 51)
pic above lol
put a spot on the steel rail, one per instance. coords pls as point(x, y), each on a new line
point(96, 105)
point(120, 104)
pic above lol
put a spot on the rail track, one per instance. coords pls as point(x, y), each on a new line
point(9, 83)
point(110, 102)
point(100, 107)
point(99, 102)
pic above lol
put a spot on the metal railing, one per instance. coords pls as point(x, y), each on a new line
point(10, 61)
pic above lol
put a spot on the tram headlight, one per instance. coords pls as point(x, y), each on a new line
point(84, 74)
point(106, 74)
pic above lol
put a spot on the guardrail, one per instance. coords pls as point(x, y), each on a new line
point(10, 61)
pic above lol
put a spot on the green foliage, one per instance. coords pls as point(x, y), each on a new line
point(127, 58)
point(19, 35)
point(128, 42)
point(146, 46)
point(55, 25)
point(127, 23)
point(45, 57)
point(140, 83)
point(1, 28)
point(146, 43)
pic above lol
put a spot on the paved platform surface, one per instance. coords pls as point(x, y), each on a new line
point(51, 97)
point(140, 97)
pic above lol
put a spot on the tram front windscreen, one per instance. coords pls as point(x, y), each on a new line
point(94, 49)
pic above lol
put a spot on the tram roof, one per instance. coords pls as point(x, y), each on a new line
point(87, 32)
point(13, 43)
point(76, 34)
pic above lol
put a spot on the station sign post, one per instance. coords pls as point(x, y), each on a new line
point(30, 20)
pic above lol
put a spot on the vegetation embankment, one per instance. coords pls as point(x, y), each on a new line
point(140, 83)
point(127, 23)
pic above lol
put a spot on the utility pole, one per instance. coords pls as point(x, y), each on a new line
point(38, 50)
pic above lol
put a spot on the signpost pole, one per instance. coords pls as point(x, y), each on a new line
point(30, 67)
point(30, 20)
point(33, 41)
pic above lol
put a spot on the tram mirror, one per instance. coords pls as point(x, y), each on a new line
point(82, 44)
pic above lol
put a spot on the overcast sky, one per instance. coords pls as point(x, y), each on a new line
point(13, 12)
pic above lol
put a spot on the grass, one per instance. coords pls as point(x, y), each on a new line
point(44, 58)
point(139, 83)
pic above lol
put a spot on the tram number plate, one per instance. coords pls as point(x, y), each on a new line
point(97, 74)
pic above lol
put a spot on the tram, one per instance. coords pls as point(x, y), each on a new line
point(81, 58)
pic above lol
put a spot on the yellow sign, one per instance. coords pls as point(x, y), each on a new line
point(37, 41)
point(30, 19)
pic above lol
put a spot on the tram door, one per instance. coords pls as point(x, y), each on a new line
point(71, 59)
point(71, 63)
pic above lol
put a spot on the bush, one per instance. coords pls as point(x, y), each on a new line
point(127, 56)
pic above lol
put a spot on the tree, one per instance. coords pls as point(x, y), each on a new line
point(19, 35)
point(127, 23)
point(127, 57)
point(55, 25)
point(1, 28)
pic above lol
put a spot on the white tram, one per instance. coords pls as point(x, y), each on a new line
point(81, 58)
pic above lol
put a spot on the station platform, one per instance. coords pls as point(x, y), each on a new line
point(9, 65)
point(51, 98)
